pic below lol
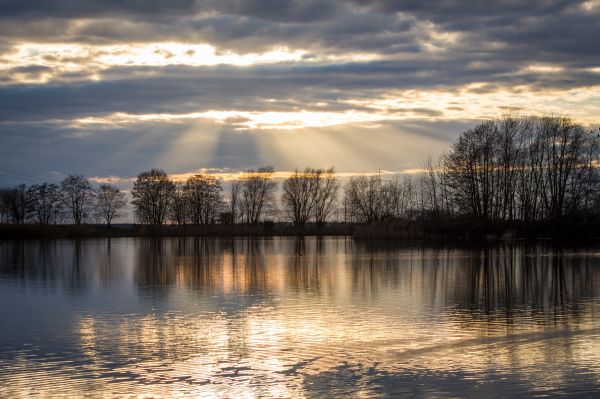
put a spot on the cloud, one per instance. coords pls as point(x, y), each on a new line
point(112, 87)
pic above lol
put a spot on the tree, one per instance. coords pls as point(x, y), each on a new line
point(45, 203)
point(563, 145)
point(522, 168)
point(258, 193)
point(78, 195)
point(326, 195)
point(430, 190)
point(203, 194)
point(300, 194)
point(4, 212)
point(13, 204)
point(178, 212)
point(152, 194)
point(234, 200)
point(364, 198)
point(109, 202)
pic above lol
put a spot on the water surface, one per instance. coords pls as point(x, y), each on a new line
point(286, 317)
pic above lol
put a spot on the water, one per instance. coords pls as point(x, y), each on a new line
point(296, 318)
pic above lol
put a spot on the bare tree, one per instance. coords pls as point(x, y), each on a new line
point(299, 194)
point(179, 205)
point(364, 198)
point(78, 195)
point(326, 195)
point(522, 168)
point(45, 203)
point(429, 182)
point(470, 170)
point(234, 200)
point(13, 204)
point(4, 212)
point(203, 193)
point(109, 202)
point(562, 145)
point(529, 181)
point(152, 193)
point(258, 193)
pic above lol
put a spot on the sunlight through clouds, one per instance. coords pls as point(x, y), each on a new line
point(90, 60)
point(241, 120)
point(472, 101)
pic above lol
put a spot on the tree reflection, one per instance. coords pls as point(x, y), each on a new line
point(546, 281)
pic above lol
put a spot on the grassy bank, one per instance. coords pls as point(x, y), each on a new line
point(458, 229)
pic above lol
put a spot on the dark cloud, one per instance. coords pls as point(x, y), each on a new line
point(94, 8)
point(443, 45)
point(278, 88)
point(551, 29)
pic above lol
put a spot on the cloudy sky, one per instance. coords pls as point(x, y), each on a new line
point(110, 88)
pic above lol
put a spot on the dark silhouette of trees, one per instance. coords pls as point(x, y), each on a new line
point(369, 199)
point(562, 147)
point(4, 212)
point(365, 199)
point(433, 197)
point(470, 171)
point(152, 195)
point(513, 169)
point(257, 197)
point(310, 195)
point(299, 195)
point(530, 169)
point(326, 196)
point(234, 206)
point(204, 199)
point(45, 203)
point(109, 203)
point(13, 204)
point(178, 212)
point(78, 196)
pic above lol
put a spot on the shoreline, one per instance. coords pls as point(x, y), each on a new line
point(455, 230)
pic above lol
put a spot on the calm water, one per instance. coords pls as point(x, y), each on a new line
point(296, 318)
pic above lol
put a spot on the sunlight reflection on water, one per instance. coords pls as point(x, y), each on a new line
point(296, 318)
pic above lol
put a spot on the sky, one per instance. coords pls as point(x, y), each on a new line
point(110, 88)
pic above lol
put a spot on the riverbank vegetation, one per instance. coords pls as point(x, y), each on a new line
point(513, 176)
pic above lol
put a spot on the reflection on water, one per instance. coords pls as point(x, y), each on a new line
point(296, 318)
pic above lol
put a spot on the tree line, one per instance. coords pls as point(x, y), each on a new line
point(73, 200)
point(529, 169)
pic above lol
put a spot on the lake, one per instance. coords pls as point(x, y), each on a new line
point(297, 317)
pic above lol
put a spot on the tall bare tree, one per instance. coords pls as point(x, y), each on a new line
point(4, 212)
point(13, 204)
point(78, 195)
point(110, 201)
point(179, 208)
point(522, 168)
point(430, 190)
point(152, 193)
point(203, 193)
point(300, 193)
point(258, 193)
point(45, 203)
point(364, 198)
point(326, 195)
point(235, 190)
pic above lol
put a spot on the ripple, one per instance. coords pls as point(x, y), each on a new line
point(240, 318)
